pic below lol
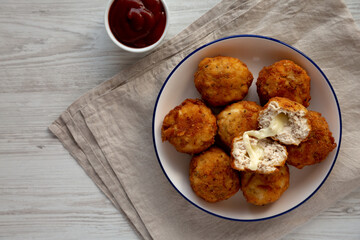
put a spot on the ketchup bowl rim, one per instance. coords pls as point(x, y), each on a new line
point(131, 49)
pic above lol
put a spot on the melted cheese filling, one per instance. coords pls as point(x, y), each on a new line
point(256, 152)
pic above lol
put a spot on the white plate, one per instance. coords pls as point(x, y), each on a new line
point(256, 52)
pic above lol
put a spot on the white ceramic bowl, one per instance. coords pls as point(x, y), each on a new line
point(131, 49)
point(256, 52)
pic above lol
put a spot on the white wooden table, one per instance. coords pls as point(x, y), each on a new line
point(52, 52)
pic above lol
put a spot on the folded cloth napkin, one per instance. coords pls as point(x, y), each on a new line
point(108, 130)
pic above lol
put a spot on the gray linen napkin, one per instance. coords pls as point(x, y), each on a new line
point(108, 130)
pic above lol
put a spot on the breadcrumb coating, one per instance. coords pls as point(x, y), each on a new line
point(284, 79)
point(190, 127)
point(262, 189)
point(211, 176)
point(237, 118)
point(222, 80)
point(318, 145)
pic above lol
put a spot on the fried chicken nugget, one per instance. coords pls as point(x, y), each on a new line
point(237, 118)
point(294, 118)
point(222, 80)
point(262, 189)
point(284, 79)
point(317, 146)
point(190, 127)
point(211, 176)
point(272, 155)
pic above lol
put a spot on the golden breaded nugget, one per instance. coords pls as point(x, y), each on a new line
point(211, 176)
point(237, 118)
point(317, 146)
point(262, 189)
point(284, 79)
point(222, 80)
point(190, 127)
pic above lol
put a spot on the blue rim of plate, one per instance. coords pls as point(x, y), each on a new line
point(270, 39)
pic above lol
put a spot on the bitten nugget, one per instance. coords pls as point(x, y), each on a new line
point(211, 176)
point(222, 80)
point(318, 145)
point(286, 119)
point(262, 189)
point(284, 79)
point(269, 155)
point(190, 127)
point(237, 118)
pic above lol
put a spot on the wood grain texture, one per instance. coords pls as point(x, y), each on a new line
point(52, 52)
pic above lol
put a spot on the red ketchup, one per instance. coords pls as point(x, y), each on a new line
point(137, 23)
